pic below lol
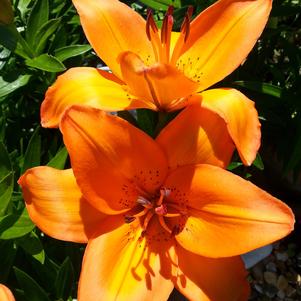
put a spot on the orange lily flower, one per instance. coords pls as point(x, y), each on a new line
point(155, 213)
point(165, 70)
point(6, 294)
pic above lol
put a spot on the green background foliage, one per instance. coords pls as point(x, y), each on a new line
point(45, 39)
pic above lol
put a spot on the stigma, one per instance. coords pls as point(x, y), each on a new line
point(160, 207)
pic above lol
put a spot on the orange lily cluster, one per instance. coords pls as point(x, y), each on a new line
point(158, 213)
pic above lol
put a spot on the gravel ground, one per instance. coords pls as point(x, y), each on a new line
point(278, 277)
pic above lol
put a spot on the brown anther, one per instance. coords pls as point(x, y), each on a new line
point(165, 192)
point(176, 230)
point(170, 10)
point(185, 27)
point(150, 24)
point(167, 25)
point(144, 202)
point(161, 210)
point(128, 219)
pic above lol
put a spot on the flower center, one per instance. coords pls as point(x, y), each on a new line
point(161, 41)
point(160, 207)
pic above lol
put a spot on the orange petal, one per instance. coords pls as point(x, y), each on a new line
point(56, 205)
point(162, 84)
point(113, 27)
point(208, 279)
point(221, 37)
point(227, 215)
point(113, 161)
point(121, 265)
point(196, 135)
point(241, 117)
point(5, 293)
point(88, 86)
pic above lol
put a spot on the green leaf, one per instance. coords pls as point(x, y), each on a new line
point(32, 155)
point(32, 245)
point(8, 36)
point(234, 165)
point(260, 87)
point(295, 157)
point(46, 62)
point(38, 16)
point(4, 55)
point(32, 290)
point(44, 33)
point(258, 162)
point(6, 179)
point(8, 254)
point(15, 225)
point(162, 4)
point(8, 87)
point(147, 121)
point(59, 160)
point(64, 279)
point(70, 51)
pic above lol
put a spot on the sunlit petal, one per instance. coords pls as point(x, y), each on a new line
point(208, 279)
point(113, 161)
point(241, 117)
point(56, 205)
point(221, 37)
point(162, 84)
point(228, 215)
point(113, 27)
point(196, 135)
point(5, 293)
point(121, 265)
point(88, 86)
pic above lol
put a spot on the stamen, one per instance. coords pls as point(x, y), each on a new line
point(147, 219)
point(129, 219)
point(163, 224)
point(161, 210)
point(166, 31)
point(152, 91)
point(150, 24)
point(185, 30)
point(153, 34)
point(144, 202)
point(176, 230)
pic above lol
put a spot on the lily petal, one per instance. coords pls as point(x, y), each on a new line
point(208, 279)
point(203, 138)
point(221, 37)
point(5, 293)
point(113, 27)
point(88, 86)
point(113, 161)
point(162, 84)
point(56, 205)
point(121, 265)
point(241, 117)
point(227, 215)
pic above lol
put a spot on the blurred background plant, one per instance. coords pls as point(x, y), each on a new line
point(39, 40)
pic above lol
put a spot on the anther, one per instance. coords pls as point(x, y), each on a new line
point(150, 24)
point(185, 27)
point(176, 230)
point(165, 192)
point(128, 219)
point(144, 202)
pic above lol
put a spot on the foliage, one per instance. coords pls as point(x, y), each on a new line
point(45, 39)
